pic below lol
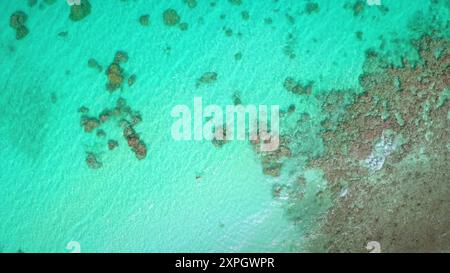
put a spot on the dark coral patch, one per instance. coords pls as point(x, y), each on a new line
point(171, 17)
point(17, 22)
point(79, 12)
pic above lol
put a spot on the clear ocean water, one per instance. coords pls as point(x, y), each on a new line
point(50, 197)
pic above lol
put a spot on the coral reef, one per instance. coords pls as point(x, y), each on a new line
point(171, 17)
point(112, 144)
point(132, 80)
point(134, 142)
point(79, 12)
point(207, 78)
point(92, 63)
point(311, 7)
point(126, 119)
point(238, 56)
point(272, 162)
point(289, 48)
point(291, 85)
point(32, 3)
point(183, 26)
point(358, 7)
point(89, 123)
point(17, 22)
point(385, 160)
point(144, 20)
point(191, 3)
point(245, 15)
point(92, 161)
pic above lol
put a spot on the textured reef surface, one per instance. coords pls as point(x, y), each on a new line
point(387, 159)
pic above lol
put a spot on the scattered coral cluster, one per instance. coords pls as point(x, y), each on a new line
point(17, 22)
point(291, 85)
point(125, 118)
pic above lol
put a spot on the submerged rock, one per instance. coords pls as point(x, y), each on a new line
point(236, 98)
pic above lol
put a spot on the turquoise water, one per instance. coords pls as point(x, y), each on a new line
point(49, 195)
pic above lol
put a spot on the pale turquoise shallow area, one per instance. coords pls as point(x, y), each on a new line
point(50, 197)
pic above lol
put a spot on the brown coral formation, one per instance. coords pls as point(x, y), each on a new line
point(207, 78)
point(134, 142)
point(92, 161)
point(171, 17)
point(17, 22)
point(116, 74)
point(402, 99)
point(291, 85)
point(272, 161)
point(79, 12)
point(144, 20)
point(89, 123)
point(404, 203)
point(112, 144)
point(94, 64)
